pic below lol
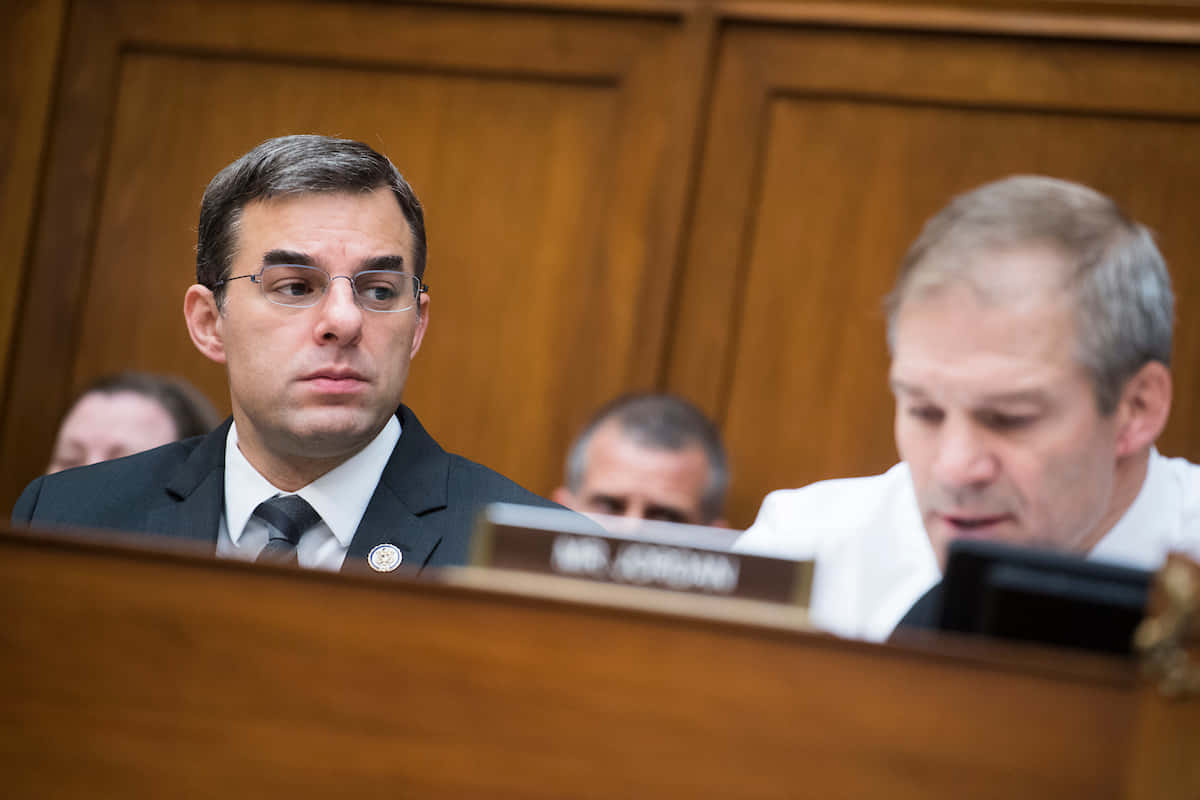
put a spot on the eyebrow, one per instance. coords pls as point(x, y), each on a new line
point(273, 257)
point(657, 509)
point(392, 262)
point(900, 387)
point(1032, 396)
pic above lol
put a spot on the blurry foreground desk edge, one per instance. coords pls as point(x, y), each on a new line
point(145, 673)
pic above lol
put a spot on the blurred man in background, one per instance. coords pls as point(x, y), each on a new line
point(651, 457)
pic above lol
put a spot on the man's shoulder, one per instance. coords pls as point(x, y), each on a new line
point(469, 487)
point(798, 522)
point(101, 494)
point(841, 502)
point(467, 482)
point(471, 480)
point(866, 535)
point(1184, 472)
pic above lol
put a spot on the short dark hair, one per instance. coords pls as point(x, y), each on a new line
point(293, 165)
point(661, 422)
point(187, 407)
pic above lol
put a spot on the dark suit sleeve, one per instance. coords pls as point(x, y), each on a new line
point(27, 502)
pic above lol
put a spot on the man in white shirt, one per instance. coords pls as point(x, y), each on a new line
point(1030, 333)
point(309, 290)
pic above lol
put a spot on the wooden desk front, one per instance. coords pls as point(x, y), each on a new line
point(145, 674)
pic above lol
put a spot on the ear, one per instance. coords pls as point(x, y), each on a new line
point(563, 496)
point(422, 324)
point(1143, 408)
point(204, 322)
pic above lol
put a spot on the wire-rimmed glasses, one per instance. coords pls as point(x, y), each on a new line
point(299, 286)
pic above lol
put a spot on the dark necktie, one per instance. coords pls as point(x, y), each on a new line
point(288, 517)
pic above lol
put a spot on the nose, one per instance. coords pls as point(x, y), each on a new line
point(626, 522)
point(340, 316)
point(965, 457)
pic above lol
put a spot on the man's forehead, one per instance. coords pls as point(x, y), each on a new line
point(276, 209)
point(953, 340)
point(303, 225)
point(614, 454)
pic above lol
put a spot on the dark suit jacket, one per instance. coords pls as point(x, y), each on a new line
point(425, 502)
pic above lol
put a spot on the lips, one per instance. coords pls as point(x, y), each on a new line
point(335, 380)
point(335, 373)
point(972, 525)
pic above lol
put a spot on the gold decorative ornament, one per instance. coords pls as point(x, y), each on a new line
point(1163, 637)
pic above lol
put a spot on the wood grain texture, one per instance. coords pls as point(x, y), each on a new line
point(146, 675)
point(1120, 20)
point(836, 146)
point(708, 198)
point(30, 37)
point(42, 355)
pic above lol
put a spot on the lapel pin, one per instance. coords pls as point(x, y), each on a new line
point(384, 557)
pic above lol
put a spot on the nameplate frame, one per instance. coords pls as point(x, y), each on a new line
point(674, 558)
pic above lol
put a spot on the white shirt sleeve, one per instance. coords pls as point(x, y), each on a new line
point(779, 530)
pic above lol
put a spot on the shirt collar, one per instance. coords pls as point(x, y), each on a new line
point(340, 496)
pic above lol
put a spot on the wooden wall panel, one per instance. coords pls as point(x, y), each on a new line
point(539, 144)
point(30, 37)
point(841, 144)
point(601, 218)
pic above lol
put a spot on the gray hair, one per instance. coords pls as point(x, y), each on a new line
point(292, 165)
point(660, 422)
point(1123, 302)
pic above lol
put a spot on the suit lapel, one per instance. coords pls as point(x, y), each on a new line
point(412, 487)
point(194, 494)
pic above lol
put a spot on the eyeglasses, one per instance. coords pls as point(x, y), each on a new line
point(298, 286)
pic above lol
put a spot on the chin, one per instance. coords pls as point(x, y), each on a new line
point(329, 432)
point(942, 534)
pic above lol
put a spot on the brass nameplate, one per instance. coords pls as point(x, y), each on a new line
point(660, 556)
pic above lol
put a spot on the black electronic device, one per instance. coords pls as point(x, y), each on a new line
point(1041, 596)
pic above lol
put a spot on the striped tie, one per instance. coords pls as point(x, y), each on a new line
point(287, 516)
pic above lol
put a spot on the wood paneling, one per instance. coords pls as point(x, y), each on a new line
point(709, 198)
point(539, 143)
point(30, 33)
point(835, 146)
point(147, 675)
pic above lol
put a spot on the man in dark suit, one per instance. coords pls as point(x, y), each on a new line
point(309, 290)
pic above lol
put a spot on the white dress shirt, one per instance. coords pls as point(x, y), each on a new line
point(340, 496)
point(874, 560)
